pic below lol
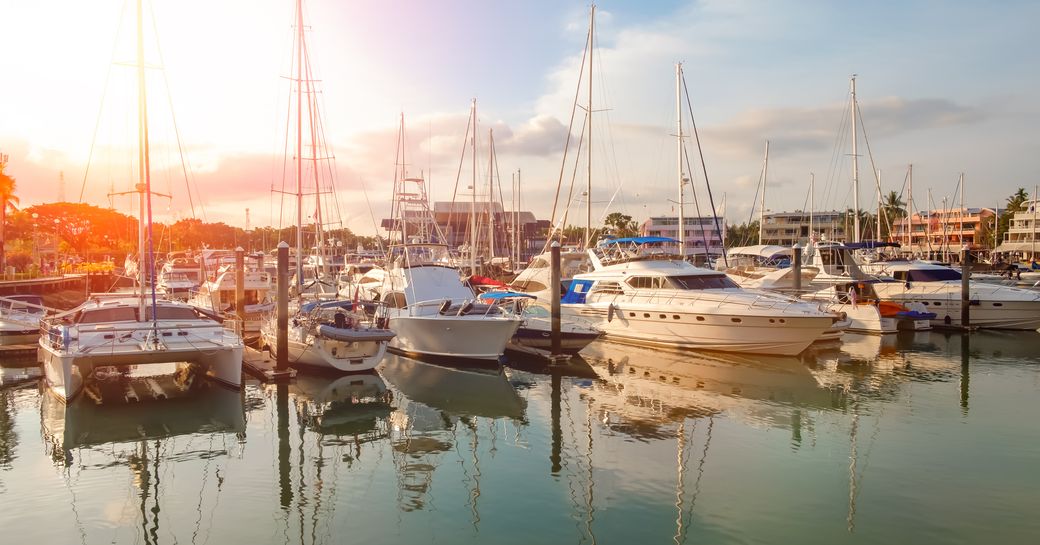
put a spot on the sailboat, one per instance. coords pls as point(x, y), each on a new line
point(132, 329)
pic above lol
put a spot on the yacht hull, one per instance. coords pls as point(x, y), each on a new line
point(330, 355)
point(463, 337)
point(669, 327)
point(990, 308)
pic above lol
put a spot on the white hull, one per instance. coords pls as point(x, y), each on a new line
point(994, 307)
point(468, 337)
point(653, 325)
point(330, 355)
point(65, 372)
point(866, 319)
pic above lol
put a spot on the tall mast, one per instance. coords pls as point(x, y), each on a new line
point(1032, 238)
point(762, 196)
point(519, 201)
point(678, 160)
point(299, 142)
point(144, 186)
point(910, 209)
point(878, 234)
point(812, 204)
point(491, 193)
point(960, 236)
point(855, 164)
point(588, 197)
point(473, 196)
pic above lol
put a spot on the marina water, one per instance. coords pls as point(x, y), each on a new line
point(923, 437)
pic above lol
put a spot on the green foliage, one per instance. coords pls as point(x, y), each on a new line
point(620, 225)
point(1015, 203)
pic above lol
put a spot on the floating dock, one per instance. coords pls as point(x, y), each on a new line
point(262, 366)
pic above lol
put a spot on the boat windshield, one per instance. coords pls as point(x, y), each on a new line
point(414, 255)
point(931, 275)
point(702, 282)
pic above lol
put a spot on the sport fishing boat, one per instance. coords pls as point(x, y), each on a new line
point(430, 309)
point(638, 292)
point(938, 289)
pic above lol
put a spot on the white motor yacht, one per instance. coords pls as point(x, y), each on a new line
point(763, 267)
point(218, 295)
point(640, 294)
point(178, 276)
point(432, 312)
point(20, 319)
point(938, 288)
point(536, 277)
point(335, 336)
point(122, 330)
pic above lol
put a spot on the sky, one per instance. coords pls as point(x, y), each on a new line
point(945, 85)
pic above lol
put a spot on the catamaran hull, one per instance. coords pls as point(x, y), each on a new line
point(781, 335)
point(65, 373)
point(459, 337)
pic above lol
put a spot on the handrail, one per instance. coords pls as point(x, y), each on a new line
point(61, 336)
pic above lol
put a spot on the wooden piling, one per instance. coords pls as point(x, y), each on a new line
point(283, 307)
point(554, 273)
point(240, 285)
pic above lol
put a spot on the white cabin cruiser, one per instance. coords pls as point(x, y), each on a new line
point(640, 294)
point(218, 295)
point(336, 336)
point(20, 319)
point(124, 330)
point(536, 277)
point(938, 288)
point(763, 267)
point(432, 312)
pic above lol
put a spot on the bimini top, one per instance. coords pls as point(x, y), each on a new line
point(638, 240)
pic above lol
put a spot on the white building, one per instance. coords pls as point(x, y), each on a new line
point(701, 232)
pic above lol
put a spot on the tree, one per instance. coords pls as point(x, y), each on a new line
point(7, 200)
point(620, 225)
point(1015, 203)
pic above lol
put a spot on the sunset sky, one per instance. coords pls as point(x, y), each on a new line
point(948, 86)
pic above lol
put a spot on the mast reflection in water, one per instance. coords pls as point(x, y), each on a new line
point(873, 440)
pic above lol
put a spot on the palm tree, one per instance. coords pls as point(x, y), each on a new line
point(7, 200)
point(1016, 202)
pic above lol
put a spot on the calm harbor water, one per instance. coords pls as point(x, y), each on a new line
point(912, 438)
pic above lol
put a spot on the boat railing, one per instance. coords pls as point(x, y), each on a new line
point(63, 337)
point(423, 308)
point(759, 301)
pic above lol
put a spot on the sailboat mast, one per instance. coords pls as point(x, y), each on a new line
point(491, 194)
point(812, 204)
point(299, 142)
point(144, 174)
point(960, 236)
point(473, 196)
point(1032, 237)
point(588, 191)
point(678, 160)
point(516, 213)
point(855, 163)
point(762, 197)
point(910, 208)
point(879, 197)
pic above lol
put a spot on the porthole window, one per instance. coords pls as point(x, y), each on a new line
point(700, 318)
point(664, 316)
point(646, 315)
point(735, 320)
point(675, 316)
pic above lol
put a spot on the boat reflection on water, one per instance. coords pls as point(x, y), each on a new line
point(441, 410)
point(654, 387)
point(131, 409)
point(352, 405)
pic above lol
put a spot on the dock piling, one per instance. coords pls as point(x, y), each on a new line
point(965, 290)
point(240, 285)
point(554, 273)
point(797, 265)
point(283, 307)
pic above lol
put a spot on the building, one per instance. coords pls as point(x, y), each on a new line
point(790, 228)
point(935, 232)
point(1021, 238)
point(454, 221)
point(701, 232)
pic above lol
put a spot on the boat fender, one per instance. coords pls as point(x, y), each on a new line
point(947, 320)
point(466, 308)
point(610, 313)
point(445, 306)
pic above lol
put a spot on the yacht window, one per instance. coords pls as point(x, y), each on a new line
point(172, 313)
point(102, 315)
point(646, 282)
point(702, 282)
point(606, 287)
point(933, 275)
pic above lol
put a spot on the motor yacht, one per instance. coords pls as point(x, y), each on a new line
point(20, 319)
point(640, 293)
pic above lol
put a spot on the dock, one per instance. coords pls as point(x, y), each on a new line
point(262, 366)
point(18, 356)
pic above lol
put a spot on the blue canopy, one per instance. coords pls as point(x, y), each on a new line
point(638, 240)
point(499, 295)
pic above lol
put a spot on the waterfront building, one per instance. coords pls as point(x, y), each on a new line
point(790, 228)
point(932, 232)
point(1021, 236)
point(701, 234)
